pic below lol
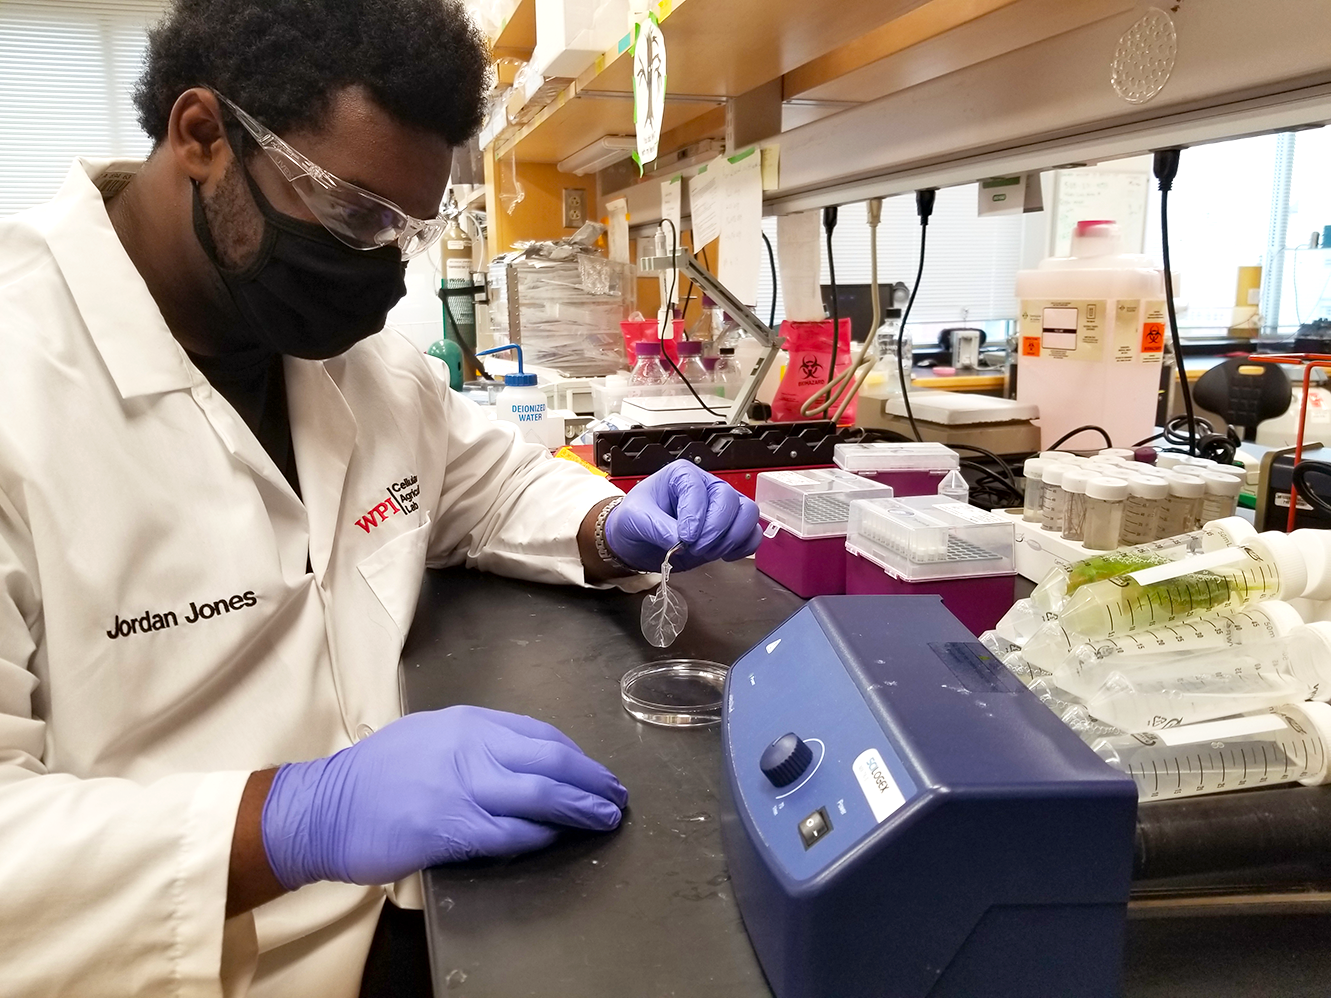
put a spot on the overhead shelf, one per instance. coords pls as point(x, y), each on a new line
point(715, 49)
point(517, 36)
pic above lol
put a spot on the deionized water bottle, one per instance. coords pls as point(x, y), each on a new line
point(1286, 744)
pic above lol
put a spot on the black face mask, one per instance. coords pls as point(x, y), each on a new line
point(306, 294)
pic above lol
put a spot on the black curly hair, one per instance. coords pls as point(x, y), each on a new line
point(423, 61)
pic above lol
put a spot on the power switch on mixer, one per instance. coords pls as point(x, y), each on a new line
point(815, 826)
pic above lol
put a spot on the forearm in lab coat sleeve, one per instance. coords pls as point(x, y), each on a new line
point(109, 887)
point(508, 507)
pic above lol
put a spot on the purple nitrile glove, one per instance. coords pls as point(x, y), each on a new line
point(682, 504)
point(433, 788)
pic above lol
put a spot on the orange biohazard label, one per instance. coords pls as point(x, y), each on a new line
point(1153, 337)
point(1030, 346)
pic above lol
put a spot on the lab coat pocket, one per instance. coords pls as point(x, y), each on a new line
point(395, 571)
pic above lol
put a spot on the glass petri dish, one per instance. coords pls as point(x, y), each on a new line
point(676, 692)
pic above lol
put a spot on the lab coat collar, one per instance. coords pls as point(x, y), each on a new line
point(119, 311)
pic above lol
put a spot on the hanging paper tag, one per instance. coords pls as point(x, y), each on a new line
point(649, 83)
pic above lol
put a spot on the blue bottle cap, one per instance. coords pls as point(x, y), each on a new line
point(520, 380)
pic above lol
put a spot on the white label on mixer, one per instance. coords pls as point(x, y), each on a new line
point(880, 790)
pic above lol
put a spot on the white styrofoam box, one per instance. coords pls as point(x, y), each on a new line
point(961, 408)
point(664, 410)
point(570, 34)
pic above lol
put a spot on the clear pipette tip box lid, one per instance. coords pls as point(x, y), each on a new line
point(814, 502)
point(877, 457)
point(931, 537)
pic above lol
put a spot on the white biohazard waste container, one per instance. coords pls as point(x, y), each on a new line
point(1092, 332)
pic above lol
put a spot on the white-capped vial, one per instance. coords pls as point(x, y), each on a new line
point(1033, 469)
point(1166, 461)
point(1144, 508)
point(1055, 455)
point(1052, 496)
point(1123, 452)
point(1105, 499)
point(1183, 508)
point(1222, 495)
point(1074, 505)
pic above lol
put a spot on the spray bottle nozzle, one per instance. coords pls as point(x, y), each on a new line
point(507, 346)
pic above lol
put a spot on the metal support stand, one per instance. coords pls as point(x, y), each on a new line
point(688, 264)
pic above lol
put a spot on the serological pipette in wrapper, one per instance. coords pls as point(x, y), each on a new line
point(1286, 744)
point(1073, 657)
point(1164, 691)
point(1052, 594)
point(1269, 566)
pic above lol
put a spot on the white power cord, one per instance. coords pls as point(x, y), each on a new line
point(840, 391)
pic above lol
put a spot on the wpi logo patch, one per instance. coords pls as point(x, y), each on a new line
point(401, 498)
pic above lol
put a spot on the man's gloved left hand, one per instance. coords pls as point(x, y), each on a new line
point(682, 504)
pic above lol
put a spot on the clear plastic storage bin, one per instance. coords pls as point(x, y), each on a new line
point(930, 545)
point(814, 502)
point(931, 537)
point(912, 469)
point(805, 515)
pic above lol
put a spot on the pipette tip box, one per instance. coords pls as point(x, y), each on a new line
point(805, 515)
point(912, 469)
point(933, 544)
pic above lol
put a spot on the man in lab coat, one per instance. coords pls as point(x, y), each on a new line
point(220, 484)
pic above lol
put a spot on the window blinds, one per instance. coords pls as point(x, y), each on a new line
point(970, 272)
point(67, 70)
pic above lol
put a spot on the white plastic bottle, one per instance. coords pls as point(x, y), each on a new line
point(1033, 470)
point(1222, 495)
point(523, 404)
point(1092, 337)
point(1052, 496)
point(1105, 499)
point(1183, 509)
point(1141, 511)
point(1074, 502)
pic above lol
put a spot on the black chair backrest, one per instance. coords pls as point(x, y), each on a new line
point(1244, 392)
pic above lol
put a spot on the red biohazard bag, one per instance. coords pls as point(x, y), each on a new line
point(810, 347)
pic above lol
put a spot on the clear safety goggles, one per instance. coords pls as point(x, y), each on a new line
point(361, 220)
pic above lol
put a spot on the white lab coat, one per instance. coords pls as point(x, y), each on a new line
point(160, 637)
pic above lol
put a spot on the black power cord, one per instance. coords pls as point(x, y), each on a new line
point(1081, 429)
point(771, 262)
point(660, 333)
point(1166, 168)
point(1300, 482)
point(829, 224)
point(924, 207)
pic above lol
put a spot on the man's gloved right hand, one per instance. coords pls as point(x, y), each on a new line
point(433, 788)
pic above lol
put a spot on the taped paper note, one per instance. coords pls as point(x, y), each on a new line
point(741, 226)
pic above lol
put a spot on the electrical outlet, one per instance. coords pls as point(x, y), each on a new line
point(575, 207)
